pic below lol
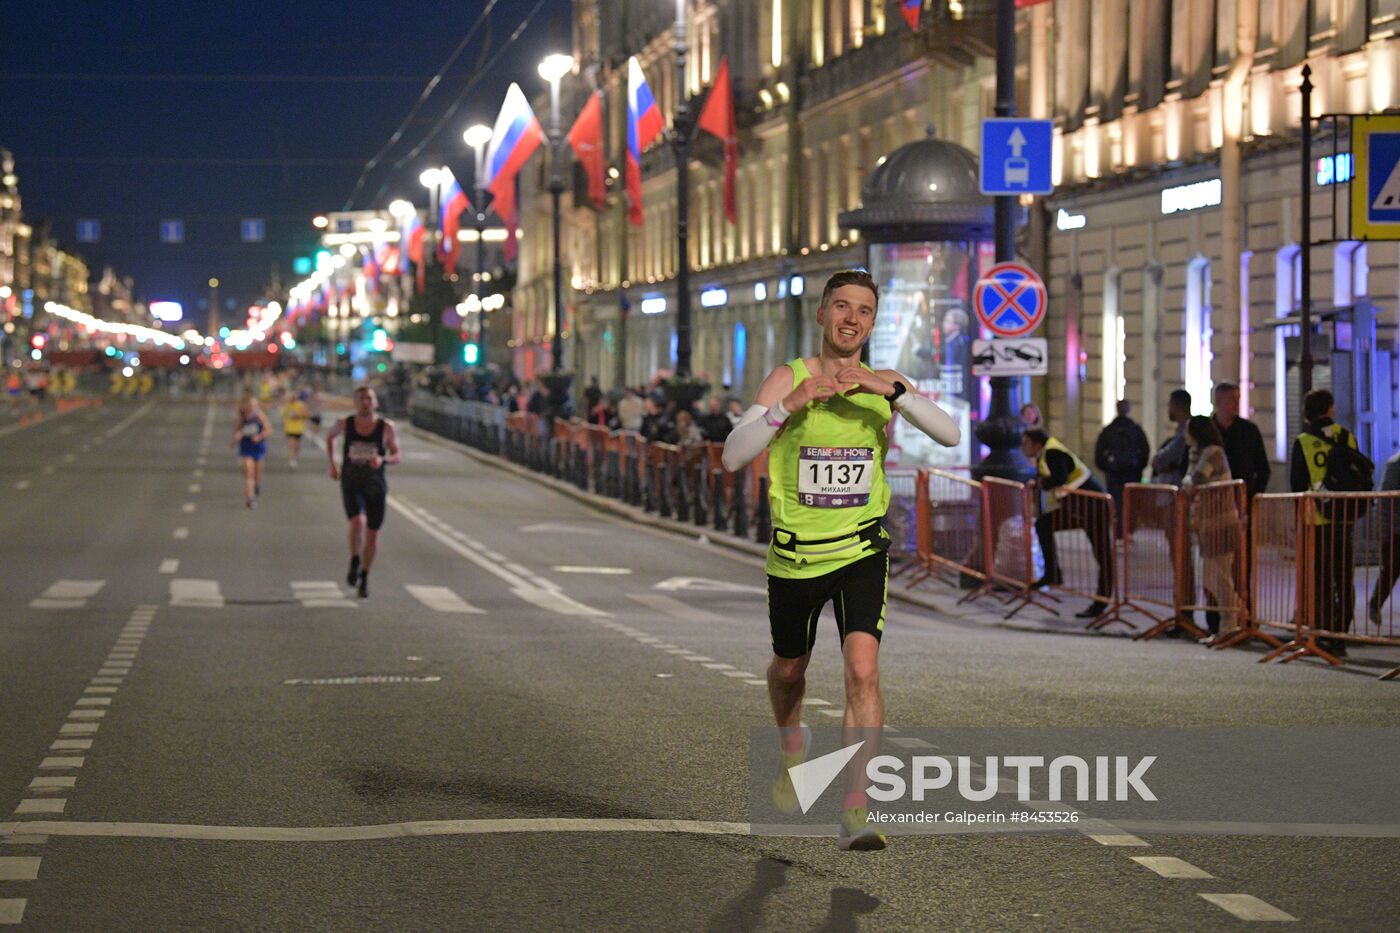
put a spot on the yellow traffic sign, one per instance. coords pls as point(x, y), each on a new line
point(1375, 188)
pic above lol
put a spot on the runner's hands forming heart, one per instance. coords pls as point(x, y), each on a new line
point(812, 389)
point(864, 381)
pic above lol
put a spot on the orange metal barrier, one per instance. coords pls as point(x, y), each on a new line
point(1348, 558)
point(948, 529)
point(1007, 518)
point(1150, 577)
point(1085, 566)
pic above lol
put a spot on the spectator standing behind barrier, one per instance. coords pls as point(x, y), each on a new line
point(1216, 525)
point(592, 395)
point(1244, 445)
point(1121, 454)
point(715, 424)
point(1030, 415)
point(1334, 599)
point(1061, 472)
point(631, 410)
point(1169, 463)
point(1388, 516)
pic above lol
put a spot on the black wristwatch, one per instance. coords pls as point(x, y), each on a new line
point(899, 389)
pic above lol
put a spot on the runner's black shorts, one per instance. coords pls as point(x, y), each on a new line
point(857, 594)
point(365, 497)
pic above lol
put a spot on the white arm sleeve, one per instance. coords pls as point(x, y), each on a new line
point(749, 438)
point(929, 418)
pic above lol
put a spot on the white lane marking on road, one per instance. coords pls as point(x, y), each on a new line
point(69, 458)
point(67, 594)
point(170, 565)
point(320, 594)
point(718, 666)
point(55, 762)
point(188, 507)
point(197, 473)
point(1117, 839)
point(698, 657)
point(202, 594)
point(53, 783)
point(600, 571)
point(126, 422)
point(107, 680)
point(86, 713)
point(180, 534)
point(1169, 866)
point(78, 728)
point(19, 868)
point(11, 910)
point(22, 484)
point(416, 828)
point(49, 470)
point(529, 590)
point(757, 682)
point(195, 487)
point(41, 805)
point(910, 742)
point(833, 713)
point(1249, 907)
point(95, 690)
point(70, 745)
point(360, 679)
point(738, 674)
point(94, 701)
point(201, 460)
point(676, 609)
point(440, 598)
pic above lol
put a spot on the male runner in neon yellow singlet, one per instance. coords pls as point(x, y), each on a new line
point(823, 420)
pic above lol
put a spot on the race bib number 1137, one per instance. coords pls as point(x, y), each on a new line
point(835, 477)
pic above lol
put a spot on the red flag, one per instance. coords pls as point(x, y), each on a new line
point(717, 118)
point(504, 206)
point(586, 138)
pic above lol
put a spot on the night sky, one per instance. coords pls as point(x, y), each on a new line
point(130, 113)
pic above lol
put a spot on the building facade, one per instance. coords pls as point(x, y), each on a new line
point(1149, 292)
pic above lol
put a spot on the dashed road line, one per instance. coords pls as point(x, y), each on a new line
point(22, 484)
point(1169, 866)
point(180, 534)
point(1249, 907)
point(200, 594)
point(170, 565)
point(67, 594)
point(441, 599)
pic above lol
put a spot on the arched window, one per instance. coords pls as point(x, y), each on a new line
point(1196, 362)
point(1113, 352)
point(1351, 273)
point(1288, 289)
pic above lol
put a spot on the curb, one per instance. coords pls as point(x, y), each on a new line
point(724, 539)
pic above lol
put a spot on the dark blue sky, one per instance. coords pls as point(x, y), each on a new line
point(198, 139)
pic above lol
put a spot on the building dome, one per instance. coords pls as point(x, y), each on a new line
point(925, 190)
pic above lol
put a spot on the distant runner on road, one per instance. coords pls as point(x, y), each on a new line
point(823, 420)
point(250, 435)
point(294, 425)
point(370, 443)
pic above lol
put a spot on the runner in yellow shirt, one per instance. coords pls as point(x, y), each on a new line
point(294, 415)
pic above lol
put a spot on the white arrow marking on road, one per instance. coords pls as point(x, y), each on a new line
point(1017, 141)
point(705, 584)
point(810, 778)
point(440, 599)
point(560, 528)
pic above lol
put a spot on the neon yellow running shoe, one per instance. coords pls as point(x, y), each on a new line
point(857, 835)
point(781, 791)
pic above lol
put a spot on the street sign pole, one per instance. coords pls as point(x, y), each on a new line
point(1305, 360)
point(1002, 428)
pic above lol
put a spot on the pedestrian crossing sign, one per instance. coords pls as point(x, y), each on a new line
point(1375, 188)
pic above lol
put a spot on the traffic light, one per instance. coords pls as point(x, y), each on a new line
point(38, 341)
point(471, 353)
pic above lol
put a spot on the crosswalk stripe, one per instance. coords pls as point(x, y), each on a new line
point(440, 598)
point(196, 593)
point(320, 594)
point(67, 594)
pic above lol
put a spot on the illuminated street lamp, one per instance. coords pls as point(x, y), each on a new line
point(320, 221)
point(477, 137)
point(552, 69)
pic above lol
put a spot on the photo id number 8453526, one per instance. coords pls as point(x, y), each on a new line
point(1044, 816)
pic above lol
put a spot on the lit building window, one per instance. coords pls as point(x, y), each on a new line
point(776, 53)
point(1288, 286)
point(1196, 363)
point(1114, 385)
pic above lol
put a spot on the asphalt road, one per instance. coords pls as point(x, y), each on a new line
point(201, 728)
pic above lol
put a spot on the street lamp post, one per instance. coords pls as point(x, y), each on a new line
point(432, 180)
point(477, 137)
point(681, 141)
point(552, 69)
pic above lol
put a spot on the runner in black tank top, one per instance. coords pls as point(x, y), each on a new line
point(371, 442)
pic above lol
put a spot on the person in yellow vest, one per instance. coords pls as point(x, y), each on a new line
point(823, 420)
point(1061, 472)
point(1334, 598)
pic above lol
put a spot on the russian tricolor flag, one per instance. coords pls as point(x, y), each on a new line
point(452, 200)
point(911, 10)
point(514, 139)
point(644, 125)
